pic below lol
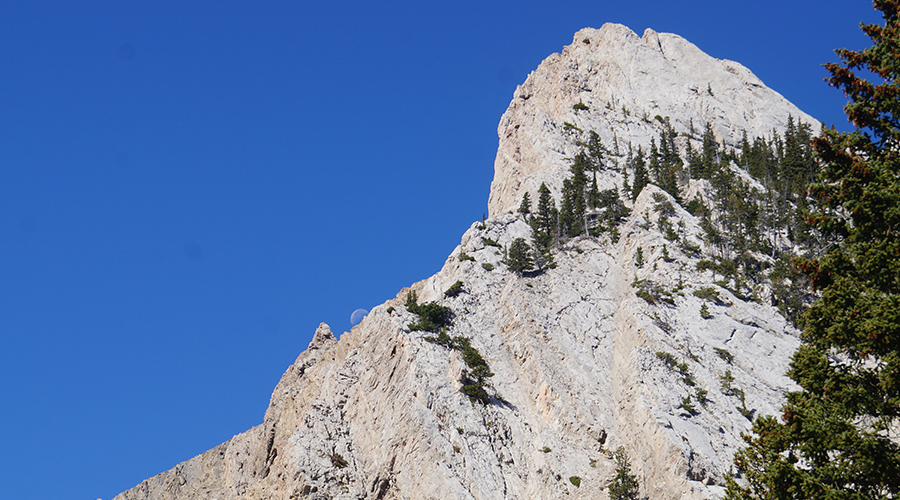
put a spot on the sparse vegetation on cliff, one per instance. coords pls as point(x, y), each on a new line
point(431, 315)
point(625, 485)
point(478, 371)
point(454, 290)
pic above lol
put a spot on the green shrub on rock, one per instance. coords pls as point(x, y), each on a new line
point(431, 315)
point(454, 290)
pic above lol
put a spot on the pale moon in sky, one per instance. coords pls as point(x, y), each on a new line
point(358, 316)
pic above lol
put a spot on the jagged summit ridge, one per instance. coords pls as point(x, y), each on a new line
point(626, 81)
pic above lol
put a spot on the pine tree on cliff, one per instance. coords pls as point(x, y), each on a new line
point(519, 258)
point(670, 161)
point(656, 162)
point(525, 207)
point(543, 224)
point(837, 436)
point(640, 174)
point(595, 151)
point(625, 485)
point(708, 159)
point(573, 206)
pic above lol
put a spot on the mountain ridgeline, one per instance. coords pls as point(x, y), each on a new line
point(609, 331)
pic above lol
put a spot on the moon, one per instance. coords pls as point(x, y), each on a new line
point(358, 316)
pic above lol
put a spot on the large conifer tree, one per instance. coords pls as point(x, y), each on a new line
point(544, 222)
point(572, 208)
point(670, 162)
point(641, 178)
point(519, 257)
point(838, 435)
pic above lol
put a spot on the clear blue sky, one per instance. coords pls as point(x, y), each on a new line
point(188, 188)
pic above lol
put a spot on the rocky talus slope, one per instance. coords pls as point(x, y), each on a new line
point(582, 364)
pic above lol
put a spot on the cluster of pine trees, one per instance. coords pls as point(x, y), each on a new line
point(584, 209)
point(746, 220)
point(753, 226)
point(740, 215)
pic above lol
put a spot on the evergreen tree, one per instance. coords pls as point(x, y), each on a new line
point(525, 207)
point(665, 164)
point(572, 209)
point(837, 437)
point(709, 156)
point(745, 152)
point(568, 220)
point(519, 258)
point(573, 206)
point(792, 161)
point(625, 485)
point(543, 224)
point(594, 193)
point(670, 162)
point(693, 161)
point(595, 151)
point(655, 162)
point(667, 147)
point(797, 164)
point(640, 174)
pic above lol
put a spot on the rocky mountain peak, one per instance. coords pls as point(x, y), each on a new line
point(625, 82)
point(484, 383)
point(323, 338)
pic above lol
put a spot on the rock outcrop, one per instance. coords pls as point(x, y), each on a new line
point(581, 364)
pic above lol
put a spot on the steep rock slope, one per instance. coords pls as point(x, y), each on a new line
point(582, 365)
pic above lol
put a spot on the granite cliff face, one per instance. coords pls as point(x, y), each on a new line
point(578, 357)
